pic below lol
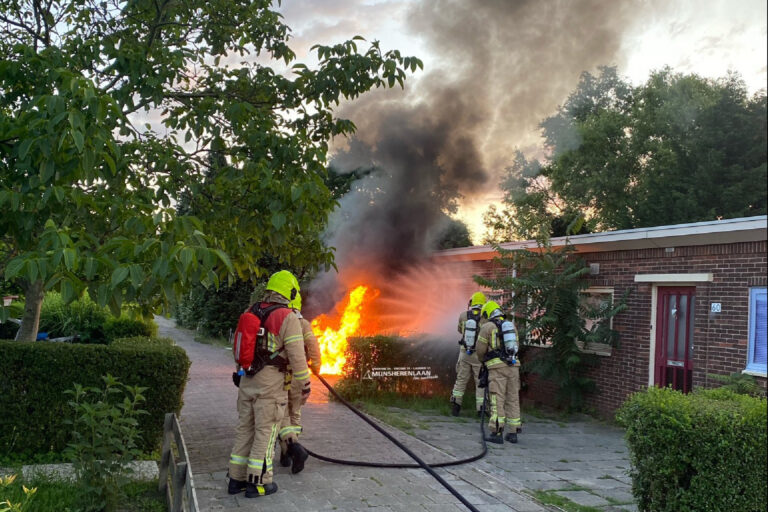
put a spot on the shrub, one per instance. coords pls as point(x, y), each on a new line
point(82, 317)
point(367, 353)
point(35, 375)
point(697, 452)
point(214, 312)
point(104, 435)
point(124, 327)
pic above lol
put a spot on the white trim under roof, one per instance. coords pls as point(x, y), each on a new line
point(745, 229)
point(673, 278)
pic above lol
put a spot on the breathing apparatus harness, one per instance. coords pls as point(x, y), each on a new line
point(471, 325)
point(420, 463)
point(262, 355)
point(506, 346)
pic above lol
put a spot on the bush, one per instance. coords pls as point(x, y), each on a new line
point(366, 353)
point(697, 452)
point(82, 317)
point(124, 327)
point(104, 435)
point(35, 376)
point(214, 312)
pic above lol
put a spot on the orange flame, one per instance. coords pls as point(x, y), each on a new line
point(333, 342)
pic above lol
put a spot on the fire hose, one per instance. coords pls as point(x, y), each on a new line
point(421, 464)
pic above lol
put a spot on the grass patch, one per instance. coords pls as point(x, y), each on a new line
point(216, 341)
point(54, 496)
point(551, 498)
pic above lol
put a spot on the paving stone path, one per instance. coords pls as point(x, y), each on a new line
point(583, 461)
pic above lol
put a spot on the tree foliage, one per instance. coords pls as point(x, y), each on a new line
point(678, 148)
point(88, 191)
point(544, 289)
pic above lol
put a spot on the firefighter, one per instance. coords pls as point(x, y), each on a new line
point(468, 363)
point(262, 398)
point(292, 453)
point(497, 349)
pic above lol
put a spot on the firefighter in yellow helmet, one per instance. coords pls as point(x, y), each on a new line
point(262, 398)
point(291, 452)
point(497, 349)
point(468, 364)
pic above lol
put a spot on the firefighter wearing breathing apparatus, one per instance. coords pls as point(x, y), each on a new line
point(262, 397)
point(497, 349)
point(470, 322)
point(291, 452)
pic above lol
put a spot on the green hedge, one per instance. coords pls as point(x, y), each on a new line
point(366, 353)
point(35, 376)
point(697, 452)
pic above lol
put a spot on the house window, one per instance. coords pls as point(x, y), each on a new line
point(756, 354)
point(595, 300)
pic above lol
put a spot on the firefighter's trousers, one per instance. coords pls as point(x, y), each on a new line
point(504, 395)
point(467, 365)
point(290, 427)
point(261, 402)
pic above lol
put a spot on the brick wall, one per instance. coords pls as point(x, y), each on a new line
point(720, 340)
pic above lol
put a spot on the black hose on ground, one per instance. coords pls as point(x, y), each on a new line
point(421, 464)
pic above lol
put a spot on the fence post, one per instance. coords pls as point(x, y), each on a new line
point(165, 459)
point(179, 481)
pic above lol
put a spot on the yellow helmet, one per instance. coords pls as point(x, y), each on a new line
point(478, 299)
point(284, 283)
point(296, 303)
point(491, 309)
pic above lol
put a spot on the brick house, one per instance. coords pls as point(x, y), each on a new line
point(697, 305)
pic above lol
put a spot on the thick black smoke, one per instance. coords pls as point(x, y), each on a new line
point(500, 67)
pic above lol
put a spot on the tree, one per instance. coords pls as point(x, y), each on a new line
point(87, 192)
point(679, 148)
point(545, 295)
point(454, 234)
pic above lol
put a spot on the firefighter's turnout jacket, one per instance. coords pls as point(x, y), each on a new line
point(290, 428)
point(262, 398)
point(503, 381)
point(467, 365)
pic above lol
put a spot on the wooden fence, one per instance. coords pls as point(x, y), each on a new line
point(174, 465)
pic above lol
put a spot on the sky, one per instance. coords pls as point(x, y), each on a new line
point(493, 69)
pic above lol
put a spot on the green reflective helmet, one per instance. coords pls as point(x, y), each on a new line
point(478, 299)
point(491, 310)
point(284, 283)
point(296, 303)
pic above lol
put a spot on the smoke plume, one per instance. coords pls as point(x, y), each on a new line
point(499, 68)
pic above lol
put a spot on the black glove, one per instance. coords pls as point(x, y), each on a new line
point(236, 379)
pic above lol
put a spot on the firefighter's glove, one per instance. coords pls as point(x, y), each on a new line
point(236, 379)
point(305, 392)
point(315, 369)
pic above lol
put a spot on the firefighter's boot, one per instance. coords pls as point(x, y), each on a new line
point(455, 406)
point(496, 437)
point(298, 456)
point(511, 437)
point(236, 486)
point(255, 490)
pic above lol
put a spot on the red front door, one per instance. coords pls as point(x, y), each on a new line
point(674, 337)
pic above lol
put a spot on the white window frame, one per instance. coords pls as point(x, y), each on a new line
point(601, 349)
point(752, 367)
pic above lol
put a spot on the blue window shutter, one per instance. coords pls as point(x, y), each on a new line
point(760, 327)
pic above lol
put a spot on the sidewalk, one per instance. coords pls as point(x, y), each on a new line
point(585, 462)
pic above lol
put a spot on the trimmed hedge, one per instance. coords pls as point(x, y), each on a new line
point(35, 376)
point(697, 452)
point(366, 353)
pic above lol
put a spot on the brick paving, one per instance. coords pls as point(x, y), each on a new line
point(583, 461)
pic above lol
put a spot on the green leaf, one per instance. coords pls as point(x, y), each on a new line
point(278, 220)
point(77, 136)
point(69, 258)
point(24, 147)
point(14, 267)
point(118, 276)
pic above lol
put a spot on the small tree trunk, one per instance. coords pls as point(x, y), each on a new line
point(30, 322)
